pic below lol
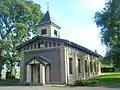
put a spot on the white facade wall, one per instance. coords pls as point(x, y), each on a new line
point(47, 27)
point(50, 31)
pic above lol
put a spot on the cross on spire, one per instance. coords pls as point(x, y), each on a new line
point(48, 7)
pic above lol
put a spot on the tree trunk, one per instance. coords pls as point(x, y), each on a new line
point(1, 63)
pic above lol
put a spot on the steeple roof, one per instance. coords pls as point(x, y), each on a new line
point(47, 19)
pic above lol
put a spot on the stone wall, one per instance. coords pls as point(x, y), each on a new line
point(90, 69)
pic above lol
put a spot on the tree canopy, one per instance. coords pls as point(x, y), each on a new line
point(108, 20)
point(18, 19)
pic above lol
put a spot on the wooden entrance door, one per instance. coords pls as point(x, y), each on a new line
point(35, 73)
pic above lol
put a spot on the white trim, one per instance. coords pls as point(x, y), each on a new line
point(28, 73)
point(42, 74)
point(47, 74)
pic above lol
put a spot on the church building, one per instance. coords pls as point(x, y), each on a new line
point(48, 59)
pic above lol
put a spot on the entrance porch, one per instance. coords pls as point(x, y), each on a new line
point(38, 70)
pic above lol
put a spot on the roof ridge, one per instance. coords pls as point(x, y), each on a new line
point(65, 41)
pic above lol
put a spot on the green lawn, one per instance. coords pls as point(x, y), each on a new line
point(9, 82)
point(109, 79)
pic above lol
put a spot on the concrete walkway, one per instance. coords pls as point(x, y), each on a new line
point(54, 88)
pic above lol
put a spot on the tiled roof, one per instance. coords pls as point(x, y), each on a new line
point(66, 42)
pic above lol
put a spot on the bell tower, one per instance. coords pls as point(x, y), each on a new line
point(47, 27)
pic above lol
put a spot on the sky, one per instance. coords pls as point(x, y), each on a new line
point(76, 18)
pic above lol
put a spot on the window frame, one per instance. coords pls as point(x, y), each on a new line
point(79, 64)
point(86, 67)
point(55, 32)
point(54, 44)
point(43, 31)
point(70, 66)
point(50, 44)
point(31, 46)
point(35, 46)
point(91, 66)
point(46, 44)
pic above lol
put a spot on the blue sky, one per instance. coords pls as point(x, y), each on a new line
point(76, 19)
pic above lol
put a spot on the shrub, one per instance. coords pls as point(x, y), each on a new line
point(108, 69)
point(88, 82)
point(80, 83)
point(92, 82)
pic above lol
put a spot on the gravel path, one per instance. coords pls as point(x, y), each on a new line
point(54, 88)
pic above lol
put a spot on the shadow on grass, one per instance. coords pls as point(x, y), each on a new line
point(15, 82)
point(9, 82)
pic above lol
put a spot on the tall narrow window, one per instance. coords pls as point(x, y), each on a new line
point(34, 45)
point(24, 48)
point(38, 44)
point(91, 66)
point(50, 44)
point(28, 47)
point(46, 44)
point(31, 46)
point(86, 68)
point(58, 44)
point(95, 66)
point(54, 44)
point(55, 32)
point(70, 65)
point(79, 65)
point(43, 31)
point(42, 44)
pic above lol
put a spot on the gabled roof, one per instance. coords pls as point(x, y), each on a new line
point(58, 40)
point(47, 19)
point(40, 59)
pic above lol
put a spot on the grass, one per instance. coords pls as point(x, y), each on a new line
point(109, 79)
point(9, 82)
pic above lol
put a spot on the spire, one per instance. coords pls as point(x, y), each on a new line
point(47, 19)
point(47, 27)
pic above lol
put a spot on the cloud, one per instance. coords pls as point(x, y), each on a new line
point(88, 37)
point(94, 5)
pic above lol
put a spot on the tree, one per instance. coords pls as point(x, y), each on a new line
point(18, 19)
point(109, 21)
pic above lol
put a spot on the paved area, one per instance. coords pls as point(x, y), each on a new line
point(54, 88)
